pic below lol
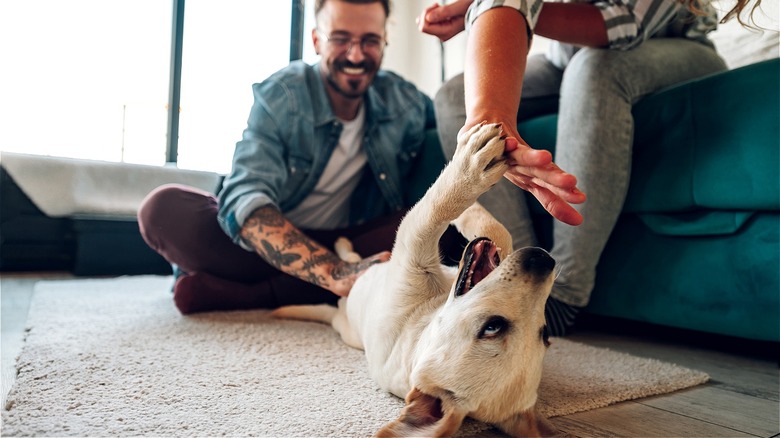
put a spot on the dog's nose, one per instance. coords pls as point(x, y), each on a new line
point(536, 261)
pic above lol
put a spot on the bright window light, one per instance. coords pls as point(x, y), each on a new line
point(228, 46)
point(85, 78)
point(89, 78)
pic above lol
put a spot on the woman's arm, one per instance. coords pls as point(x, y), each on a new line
point(496, 54)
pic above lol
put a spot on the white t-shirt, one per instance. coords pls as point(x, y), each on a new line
point(327, 206)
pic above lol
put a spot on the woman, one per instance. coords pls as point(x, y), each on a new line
point(605, 55)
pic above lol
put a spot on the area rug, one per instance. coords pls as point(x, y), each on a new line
point(113, 357)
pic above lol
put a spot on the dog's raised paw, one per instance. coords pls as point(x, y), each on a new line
point(481, 155)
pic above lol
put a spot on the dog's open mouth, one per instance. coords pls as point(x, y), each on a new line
point(479, 259)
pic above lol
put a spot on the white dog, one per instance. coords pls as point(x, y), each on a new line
point(456, 342)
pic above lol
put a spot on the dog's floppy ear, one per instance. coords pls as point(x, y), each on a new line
point(423, 415)
point(529, 424)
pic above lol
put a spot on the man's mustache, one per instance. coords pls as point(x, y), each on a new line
point(367, 65)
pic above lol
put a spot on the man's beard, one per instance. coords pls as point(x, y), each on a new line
point(353, 92)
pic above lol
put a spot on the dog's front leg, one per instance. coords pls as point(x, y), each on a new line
point(478, 222)
point(477, 165)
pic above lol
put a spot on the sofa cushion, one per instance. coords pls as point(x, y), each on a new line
point(697, 223)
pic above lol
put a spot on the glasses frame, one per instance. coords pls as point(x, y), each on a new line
point(351, 43)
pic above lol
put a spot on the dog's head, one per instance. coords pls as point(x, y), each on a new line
point(481, 355)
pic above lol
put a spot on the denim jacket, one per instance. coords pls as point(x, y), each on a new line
point(292, 131)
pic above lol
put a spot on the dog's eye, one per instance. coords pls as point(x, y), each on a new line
point(495, 326)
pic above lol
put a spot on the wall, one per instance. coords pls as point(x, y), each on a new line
point(410, 53)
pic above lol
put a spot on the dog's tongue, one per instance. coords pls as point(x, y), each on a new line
point(479, 261)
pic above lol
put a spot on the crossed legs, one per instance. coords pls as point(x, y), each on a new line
point(180, 223)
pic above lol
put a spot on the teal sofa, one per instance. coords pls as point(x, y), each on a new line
point(697, 245)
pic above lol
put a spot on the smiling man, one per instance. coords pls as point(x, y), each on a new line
point(327, 151)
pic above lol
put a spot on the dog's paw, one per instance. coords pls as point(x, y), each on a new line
point(480, 156)
point(345, 251)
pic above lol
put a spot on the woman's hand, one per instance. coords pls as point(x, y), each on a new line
point(344, 274)
point(444, 21)
point(534, 171)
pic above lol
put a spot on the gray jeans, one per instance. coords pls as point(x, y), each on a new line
point(593, 97)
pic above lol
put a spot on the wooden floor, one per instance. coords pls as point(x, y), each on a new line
point(740, 400)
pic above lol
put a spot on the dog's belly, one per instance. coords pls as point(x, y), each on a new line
point(388, 314)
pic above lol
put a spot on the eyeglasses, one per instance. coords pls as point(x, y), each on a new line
point(371, 45)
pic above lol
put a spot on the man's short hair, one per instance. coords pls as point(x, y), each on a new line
point(318, 4)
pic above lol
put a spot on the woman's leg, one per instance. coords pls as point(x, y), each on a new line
point(595, 137)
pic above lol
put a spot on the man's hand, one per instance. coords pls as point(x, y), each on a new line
point(444, 21)
point(344, 274)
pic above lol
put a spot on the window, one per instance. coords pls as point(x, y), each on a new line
point(85, 78)
point(228, 46)
point(90, 78)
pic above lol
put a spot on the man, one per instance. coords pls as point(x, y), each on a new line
point(327, 152)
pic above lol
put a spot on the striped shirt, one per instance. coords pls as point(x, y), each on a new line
point(628, 22)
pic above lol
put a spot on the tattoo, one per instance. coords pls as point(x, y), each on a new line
point(295, 237)
point(276, 256)
point(311, 277)
point(286, 248)
point(269, 216)
point(261, 219)
point(348, 269)
point(320, 259)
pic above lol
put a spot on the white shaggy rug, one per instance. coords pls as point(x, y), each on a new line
point(113, 357)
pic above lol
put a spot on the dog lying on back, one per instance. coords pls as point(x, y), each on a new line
point(454, 342)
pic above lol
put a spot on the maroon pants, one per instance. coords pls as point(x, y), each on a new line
point(180, 223)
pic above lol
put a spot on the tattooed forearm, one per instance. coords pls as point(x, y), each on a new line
point(311, 277)
point(295, 237)
point(285, 247)
point(277, 256)
point(269, 216)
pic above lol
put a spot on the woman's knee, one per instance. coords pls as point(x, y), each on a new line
point(632, 74)
point(593, 65)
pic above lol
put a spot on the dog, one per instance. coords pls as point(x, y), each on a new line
point(452, 341)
